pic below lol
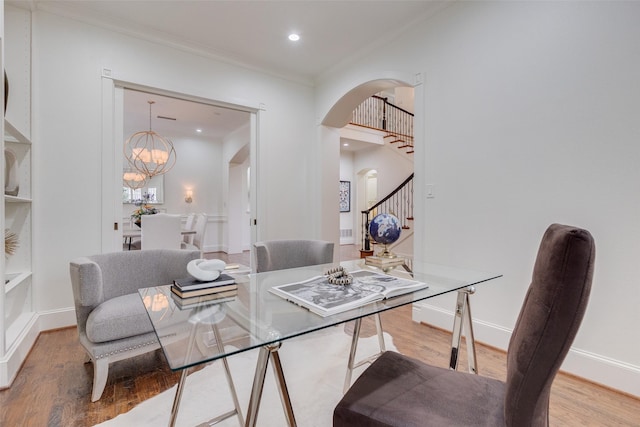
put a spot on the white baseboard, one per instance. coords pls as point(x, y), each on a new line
point(592, 367)
point(214, 248)
point(56, 319)
point(223, 248)
point(603, 370)
point(11, 363)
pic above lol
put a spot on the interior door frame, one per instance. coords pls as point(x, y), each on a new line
point(111, 162)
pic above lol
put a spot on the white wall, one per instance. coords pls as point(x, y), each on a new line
point(530, 114)
point(199, 167)
point(17, 67)
point(393, 166)
point(349, 220)
point(68, 61)
point(235, 164)
point(324, 175)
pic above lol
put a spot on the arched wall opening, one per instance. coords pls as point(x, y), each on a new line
point(339, 115)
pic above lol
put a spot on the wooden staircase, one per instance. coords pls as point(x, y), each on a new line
point(398, 203)
point(378, 113)
point(397, 123)
point(405, 141)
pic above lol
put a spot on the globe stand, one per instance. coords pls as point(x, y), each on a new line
point(385, 260)
point(384, 263)
point(386, 253)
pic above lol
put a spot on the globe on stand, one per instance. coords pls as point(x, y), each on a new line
point(385, 229)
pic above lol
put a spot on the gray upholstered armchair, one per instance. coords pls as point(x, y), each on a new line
point(112, 321)
point(283, 254)
point(399, 391)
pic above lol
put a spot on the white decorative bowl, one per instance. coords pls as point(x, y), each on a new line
point(206, 270)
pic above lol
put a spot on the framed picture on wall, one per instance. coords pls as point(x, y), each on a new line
point(345, 196)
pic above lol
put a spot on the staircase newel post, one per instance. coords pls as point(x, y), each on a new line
point(366, 244)
point(384, 114)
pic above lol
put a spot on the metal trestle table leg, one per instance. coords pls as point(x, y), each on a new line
point(266, 353)
point(351, 364)
point(463, 319)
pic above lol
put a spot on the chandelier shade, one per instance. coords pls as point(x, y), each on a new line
point(149, 153)
point(134, 179)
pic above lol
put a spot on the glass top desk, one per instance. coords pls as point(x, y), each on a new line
point(256, 318)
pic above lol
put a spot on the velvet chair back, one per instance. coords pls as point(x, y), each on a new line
point(397, 390)
point(548, 322)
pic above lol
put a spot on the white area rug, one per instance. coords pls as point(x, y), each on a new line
point(314, 366)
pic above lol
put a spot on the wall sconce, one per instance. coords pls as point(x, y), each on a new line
point(188, 196)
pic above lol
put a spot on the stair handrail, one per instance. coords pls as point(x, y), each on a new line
point(408, 197)
point(395, 191)
point(378, 113)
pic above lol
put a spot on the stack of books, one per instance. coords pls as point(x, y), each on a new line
point(190, 292)
point(378, 261)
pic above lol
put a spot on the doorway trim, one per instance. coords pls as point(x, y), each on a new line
point(111, 153)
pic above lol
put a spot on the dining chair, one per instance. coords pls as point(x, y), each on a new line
point(161, 231)
point(188, 225)
point(200, 226)
point(397, 390)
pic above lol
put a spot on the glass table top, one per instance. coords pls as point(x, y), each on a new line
point(256, 317)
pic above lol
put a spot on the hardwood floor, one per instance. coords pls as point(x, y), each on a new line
point(53, 387)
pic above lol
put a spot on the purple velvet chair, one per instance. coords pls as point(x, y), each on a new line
point(399, 391)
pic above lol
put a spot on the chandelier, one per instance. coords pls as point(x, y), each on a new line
point(134, 179)
point(149, 153)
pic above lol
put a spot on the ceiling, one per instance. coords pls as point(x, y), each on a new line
point(251, 34)
point(214, 122)
point(254, 33)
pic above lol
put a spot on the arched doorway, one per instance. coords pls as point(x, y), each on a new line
point(339, 116)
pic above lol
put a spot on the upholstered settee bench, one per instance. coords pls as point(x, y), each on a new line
point(112, 321)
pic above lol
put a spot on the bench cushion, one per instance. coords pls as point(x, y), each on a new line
point(118, 318)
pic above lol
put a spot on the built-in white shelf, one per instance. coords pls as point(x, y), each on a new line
point(18, 327)
point(12, 134)
point(18, 318)
point(13, 280)
point(16, 199)
point(17, 299)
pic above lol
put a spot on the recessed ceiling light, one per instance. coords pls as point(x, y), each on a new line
point(294, 37)
point(199, 130)
point(346, 144)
